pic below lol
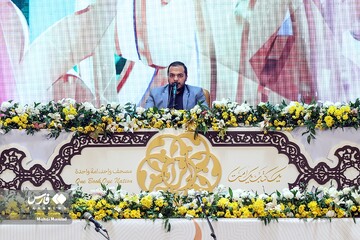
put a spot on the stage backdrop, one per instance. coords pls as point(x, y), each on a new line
point(115, 51)
point(174, 160)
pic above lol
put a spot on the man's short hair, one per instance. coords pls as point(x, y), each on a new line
point(177, 63)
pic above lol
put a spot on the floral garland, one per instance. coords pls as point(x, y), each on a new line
point(114, 203)
point(83, 118)
point(111, 203)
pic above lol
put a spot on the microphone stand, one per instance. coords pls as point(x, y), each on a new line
point(206, 216)
point(97, 225)
point(102, 231)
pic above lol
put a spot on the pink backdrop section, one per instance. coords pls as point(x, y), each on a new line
point(243, 50)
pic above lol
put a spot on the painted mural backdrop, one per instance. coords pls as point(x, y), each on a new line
point(116, 50)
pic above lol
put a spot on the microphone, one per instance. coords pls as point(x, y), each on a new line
point(98, 226)
point(90, 218)
point(198, 197)
point(174, 90)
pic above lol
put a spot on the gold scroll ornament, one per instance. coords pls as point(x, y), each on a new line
point(178, 163)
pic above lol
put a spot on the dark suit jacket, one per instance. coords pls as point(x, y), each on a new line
point(159, 97)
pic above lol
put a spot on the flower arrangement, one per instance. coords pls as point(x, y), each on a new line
point(83, 118)
point(114, 203)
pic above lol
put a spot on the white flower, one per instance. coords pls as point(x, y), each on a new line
point(333, 192)
point(156, 194)
point(167, 116)
point(221, 123)
point(177, 113)
point(121, 116)
point(195, 109)
point(220, 189)
point(20, 110)
point(244, 195)
point(356, 196)
point(263, 196)
point(338, 104)
point(330, 213)
point(290, 214)
point(349, 203)
point(243, 108)
point(130, 124)
point(140, 110)
point(120, 194)
point(278, 208)
point(111, 127)
point(287, 194)
point(5, 106)
point(89, 107)
point(270, 206)
point(252, 195)
point(347, 190)
point(307, 116)
point(274, 196)
point(327, 104)
point(67, 102)
point(298, 195)
point(117, 208)
point(222, 103)
point(55, 116)
point(102, 109)
point(237, 194)
point(115, 105)
point(191, 193)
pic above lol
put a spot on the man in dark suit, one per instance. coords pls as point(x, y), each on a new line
point(176, 94)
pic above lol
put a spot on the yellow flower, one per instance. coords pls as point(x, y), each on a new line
point(329, 121)
point(191, 212)
point(340, 212)
point(159, 202)
point(73, 215)
point(328, 201)
point(228, 214)
point(135, 214)
point(14, 216)
point(127, 213)
point(259, 206)
point(353, 208)
point(223, 202)
point(182, 210)
point(146, 201)
point(15, 119)
point(219, 213)
point(312, 204)
point(331, 110)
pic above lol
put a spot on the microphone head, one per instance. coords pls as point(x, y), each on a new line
point(87, 215)
point(174, 88)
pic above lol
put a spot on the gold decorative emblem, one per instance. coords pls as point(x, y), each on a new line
point(178, 163)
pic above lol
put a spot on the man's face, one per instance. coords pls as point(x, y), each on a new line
point(177, 75)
